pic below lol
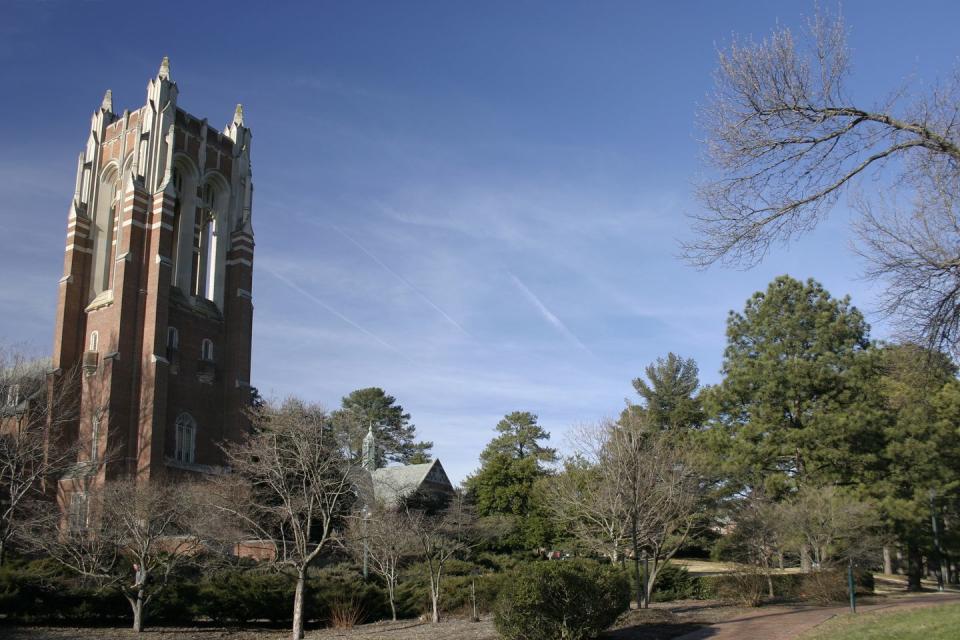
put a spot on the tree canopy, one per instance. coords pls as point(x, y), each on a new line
point(372, 408)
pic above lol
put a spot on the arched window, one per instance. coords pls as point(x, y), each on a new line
point(186, 439)
point(205, 247)
point(206, 350)
point(103, 232)
point(94, 341)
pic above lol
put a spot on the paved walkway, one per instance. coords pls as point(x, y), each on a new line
point(785, 623)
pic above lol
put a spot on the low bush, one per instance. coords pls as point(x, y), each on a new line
point(825, 586)
point(675, 583)
point(749, 587)
point(238, 595)
point(569, 600)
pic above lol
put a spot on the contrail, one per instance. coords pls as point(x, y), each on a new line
point(313, 298)
point(548, 315)
point(406, 282)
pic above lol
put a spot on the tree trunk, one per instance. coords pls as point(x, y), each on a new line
point(297, 632)
point(391, 589)
point(636, 565)
point(769, 583)
point(914, 567)
point(805, 565)
point(780, 560)
point(653, 568)
point(136, 606)
point(435, 597)
point(887, 560)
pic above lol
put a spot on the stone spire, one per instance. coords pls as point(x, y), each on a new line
point(107, 104)
point(369, 451)
point(238, 116)
point(164, 73)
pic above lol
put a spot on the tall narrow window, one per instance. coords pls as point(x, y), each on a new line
point(103, 232)
point(13, 395)
point(95, 440)
point(205, 247)
point(177, 209)
point(206, 350)
point(77, 517)
point(186, 437)
point(94, 341)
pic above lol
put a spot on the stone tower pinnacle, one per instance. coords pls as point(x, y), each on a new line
point(369, 451)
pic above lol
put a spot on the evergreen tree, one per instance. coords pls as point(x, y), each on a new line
point(395, 435)
point(506, 485)
point(669, 393)
point(796, 402)
point(921, 455)
point(519, 438)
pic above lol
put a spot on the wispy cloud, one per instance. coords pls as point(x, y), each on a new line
point(548, 315)
point(306, 294)
point(404, 281)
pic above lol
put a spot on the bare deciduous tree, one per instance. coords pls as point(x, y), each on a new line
point(629, 483)
point(440, 536)
point(759, 535)
point(585, 501)
point(787, 139)
point(290, 488)
point(835, 526)
point(134, 536)
point(381, 537)
point(661, 489)
point(31, 455)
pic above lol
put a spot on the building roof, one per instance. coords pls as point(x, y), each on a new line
point(390, 484)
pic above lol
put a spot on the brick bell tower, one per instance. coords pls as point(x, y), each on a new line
point(155, 301)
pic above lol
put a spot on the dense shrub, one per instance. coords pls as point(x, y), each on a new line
point(238, 595)
point(339, 586)
point(569, 600)
point(825, 587)
point(487, 575)
point(44, 591)
point(749, 587)
point(675, 583)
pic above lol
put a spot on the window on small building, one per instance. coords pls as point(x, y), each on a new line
point(206, 350)
point(186, 438)
point(94, 341)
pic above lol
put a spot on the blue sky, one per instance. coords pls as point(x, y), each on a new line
point(475, 206)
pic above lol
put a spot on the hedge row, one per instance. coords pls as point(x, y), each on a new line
point(42, 591)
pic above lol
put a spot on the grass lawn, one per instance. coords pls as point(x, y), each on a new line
point(929, 623)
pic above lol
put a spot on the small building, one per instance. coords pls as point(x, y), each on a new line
point(391, 485)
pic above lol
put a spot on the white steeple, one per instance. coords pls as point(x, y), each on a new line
point(369, 451)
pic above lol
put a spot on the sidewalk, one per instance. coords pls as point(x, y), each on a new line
point(787, 622)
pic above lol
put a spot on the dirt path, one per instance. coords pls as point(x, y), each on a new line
point(787, 622)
